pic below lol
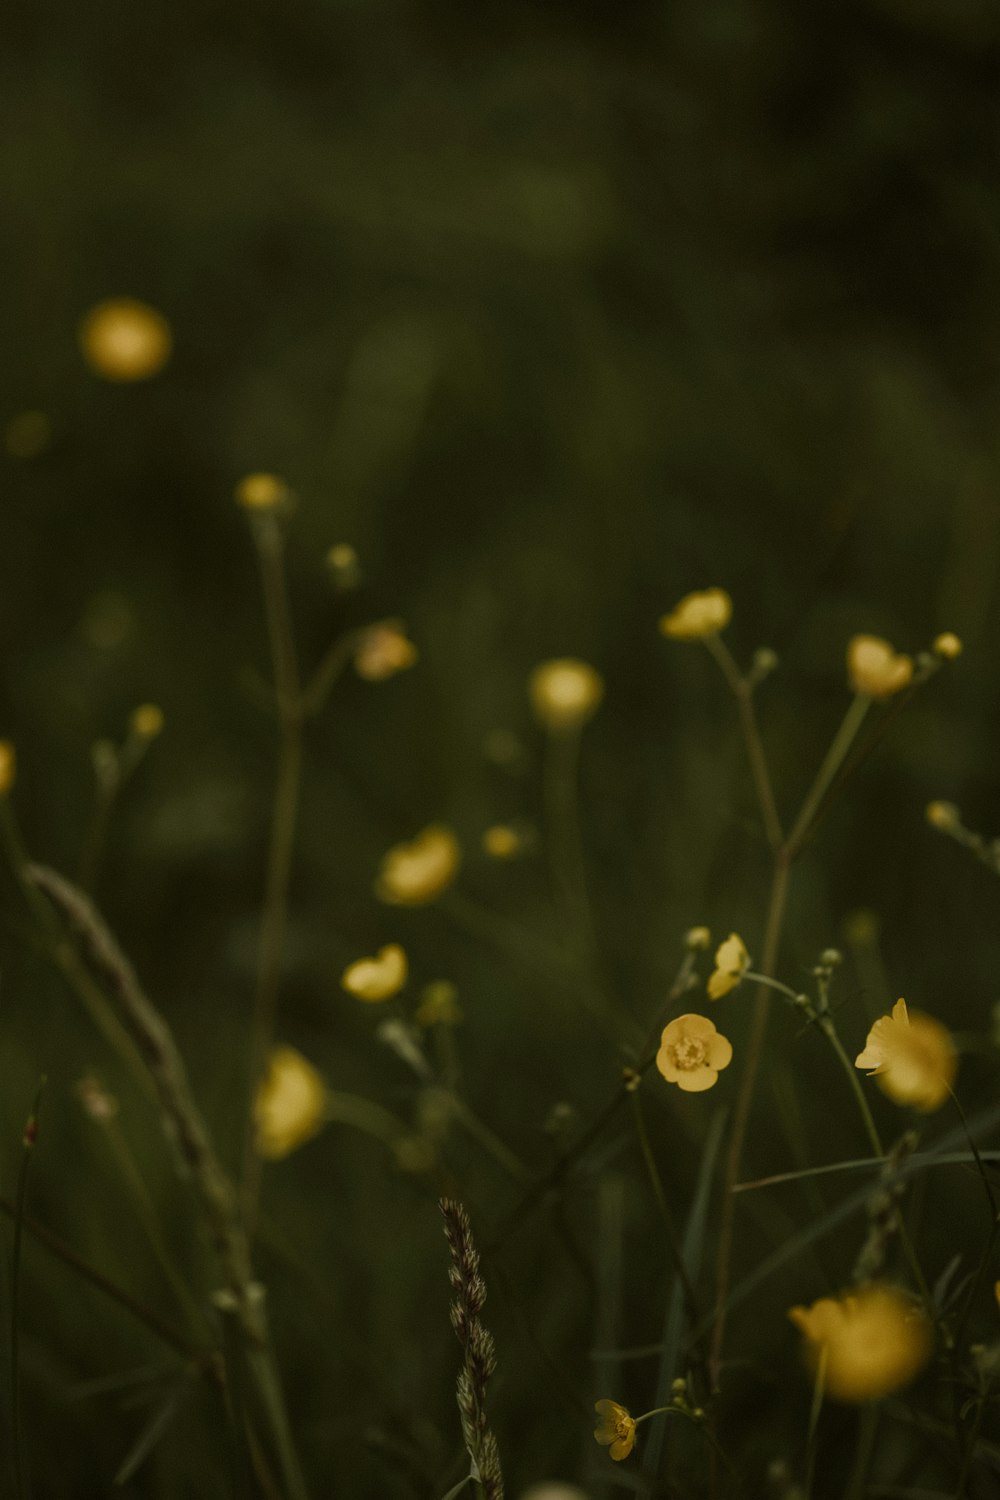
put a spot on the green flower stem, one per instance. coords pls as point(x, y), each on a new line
point(742, 690)
point(673, 1243)
point(832, 762)
point(658, 1411)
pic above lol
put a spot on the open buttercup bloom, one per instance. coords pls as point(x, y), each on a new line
point(290, 1104)
point(875, 669)
point(731, 962)
point(413, 874)
point(565, 693)
point(697, 615)
point(262, 491)
point(123, 339)
point(377, 978)
point(8, 767)
point(617, 1429)
point(383, 649)
point(692, 1053)
point(911, 1057)
point(875, 1342)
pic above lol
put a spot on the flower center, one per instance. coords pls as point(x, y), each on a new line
point(623, 1426)
point(687, 1053)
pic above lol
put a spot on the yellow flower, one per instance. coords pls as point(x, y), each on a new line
point(692, 1053)
point(124, 340)
point(146, 721)
point(565, 693)
point(698, 615)
point(942, 815)
point(413, 874)
point(947, 644)
point(377, 978)
point(617, 1429)
point(875, 1342)
point(697, 938)
point(438, 1004)
point(290, 1104)
point(501, 841)
point(383, 650)
point(874, 669)
point(912, 1057)
point(345, 565)
point(731, 962)
point(262, 491)
point(8, 766)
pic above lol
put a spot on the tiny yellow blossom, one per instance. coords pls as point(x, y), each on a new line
point(383, 649)
point(912, 1057)
point(697, 615)
point(8, 767)
point(565, 693)
point(377, 978)
point(438, 1004)
point(501, 841)
point(262, 491)
point(124, 340)
point(146, 721)
point(692, 1053)
point(874, 669)
point(413, 874)
point(697, 939)
point(942, 815)
point(290, 1104)
point(947, 645)
point(731, 962)
point(617, 1429)
point(875, 1342)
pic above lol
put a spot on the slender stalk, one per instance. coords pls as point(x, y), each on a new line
point(27, 1151)
point(742, 690)
point(814, 1413)
point(673, 1244)
point(832, 762)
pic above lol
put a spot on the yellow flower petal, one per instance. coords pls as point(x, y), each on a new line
point(912, 1057)
point(125, 340)
point(290, 1104)
point(692, 1053)
point(697, 615)
point(413, 874)
point(262, 491)
point(731, 962)
point(872, 1342)
point(383, 649)
point(565, 693)
point(874, 669)
point(377, 978)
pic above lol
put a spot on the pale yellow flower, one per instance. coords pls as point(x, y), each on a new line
point(146, 721)
point(8, 767)
point(697, 615)
point(383, 649)
point(262, 491)
point(501, 841)
point(123, 339)
point(413, 874)
point(874, 669)
point(377, 978)
point(289, 1105)
point(947, 645)
point(912, 1057)
point(731, 962)
point(617, 1429)
point(875, 1342)
point(692, 1053)
point(565, 693)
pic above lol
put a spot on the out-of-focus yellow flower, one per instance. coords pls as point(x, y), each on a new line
point(565, 693)
point(123, 339)
point(413, 874)
point(942, 815)
point(345, 565)
point(383, 649)
point(553, 1489)
point(692, 1053)
point(262, 491)
point(290, 1104)
point(501, 841)
point(438, 1004)
point(875, 1342)
point(947, 644)
point(697, 939)
point(912, 1057)
point(617, 1429)
point(697, 615)
point(377, 978)
point(731, 962)
point(146, 721)
point(874, 669)
point(8, 767)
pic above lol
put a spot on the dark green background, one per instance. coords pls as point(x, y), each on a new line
point(555, 312)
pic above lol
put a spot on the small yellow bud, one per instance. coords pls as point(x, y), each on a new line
point(262, 491)
point(943, 815)
point(947, 644)
point(697, 938)
point(379, 978)
point(565, 693)
point(146, 721)
point(414, 873)
point(874, 669)
point(383, 649)
point(8, 766)
point(501, 841)
point(698, 615)
point(125, 340)
point(345, 565)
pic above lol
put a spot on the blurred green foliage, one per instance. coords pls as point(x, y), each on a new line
point(554, 312)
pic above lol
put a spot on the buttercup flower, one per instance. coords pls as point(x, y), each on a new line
point(125, 340)
point(377, 978)
point(617, 1429)
point(912, 1057)
point(146, 721)
point(290, 1104)
point(565, 693)
point(947, 645)
point(262, 491)
point(413, 874)
point(8, 766)
point(874, 669)
point(875, 1342)
point(383, 650)
point(731, 962)
point(698, 615)
point(692, 1053)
